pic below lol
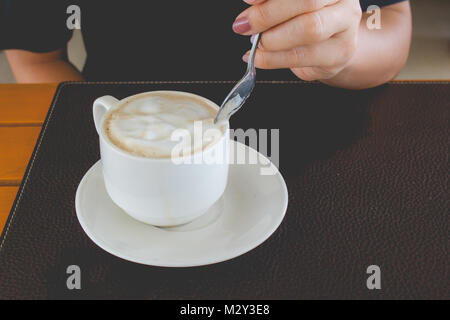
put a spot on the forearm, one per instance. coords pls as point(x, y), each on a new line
point(41, 70)
point(381, 53)
point(56, 71)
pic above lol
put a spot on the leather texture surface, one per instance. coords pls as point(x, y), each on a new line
point(367, 174)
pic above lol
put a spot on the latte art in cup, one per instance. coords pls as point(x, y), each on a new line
point(142, 173)
point(156, 124)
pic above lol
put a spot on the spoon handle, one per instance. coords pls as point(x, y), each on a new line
point(242, 90)
point(251, 58)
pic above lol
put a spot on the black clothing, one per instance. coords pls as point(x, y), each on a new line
point(140, 40)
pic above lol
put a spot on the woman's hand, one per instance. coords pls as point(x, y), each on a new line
point(316, 39)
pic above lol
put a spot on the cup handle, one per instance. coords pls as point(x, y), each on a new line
point(101, 106)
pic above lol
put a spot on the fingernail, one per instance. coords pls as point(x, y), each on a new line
point(245, 57)
point(241, 25)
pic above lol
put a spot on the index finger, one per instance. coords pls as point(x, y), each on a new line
point(265, 15)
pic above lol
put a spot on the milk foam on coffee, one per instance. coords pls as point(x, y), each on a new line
point(154, 124)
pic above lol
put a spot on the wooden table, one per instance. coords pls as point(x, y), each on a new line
point(23, 108)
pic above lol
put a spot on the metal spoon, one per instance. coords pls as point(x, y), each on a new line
point(242, 90)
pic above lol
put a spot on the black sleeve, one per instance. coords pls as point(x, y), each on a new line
point(33, 25)
point(381, 3)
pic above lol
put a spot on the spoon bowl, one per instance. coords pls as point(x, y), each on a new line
point(242, 90)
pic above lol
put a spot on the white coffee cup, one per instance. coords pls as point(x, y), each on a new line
point(160, 191)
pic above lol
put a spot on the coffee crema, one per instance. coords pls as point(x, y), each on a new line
point(156, 124)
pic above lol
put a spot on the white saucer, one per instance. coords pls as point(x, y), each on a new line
point(250, 210)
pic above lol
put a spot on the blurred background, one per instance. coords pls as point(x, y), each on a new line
point(429, 57)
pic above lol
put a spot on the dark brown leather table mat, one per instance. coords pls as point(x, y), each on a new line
point(367, 178)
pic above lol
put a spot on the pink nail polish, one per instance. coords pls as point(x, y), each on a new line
point(241, 25)
point(245, 57)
